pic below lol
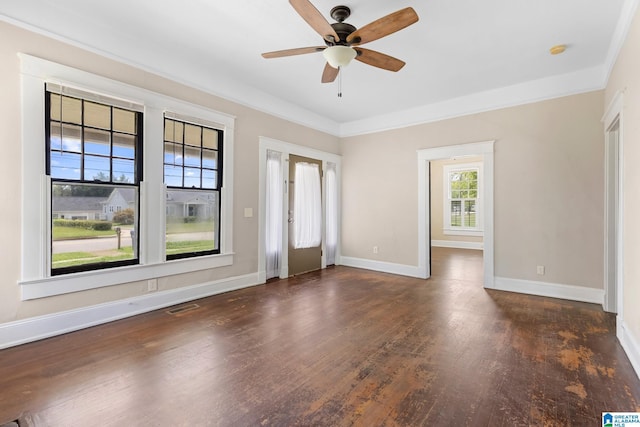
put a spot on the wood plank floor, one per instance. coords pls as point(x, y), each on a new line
point(339, 347)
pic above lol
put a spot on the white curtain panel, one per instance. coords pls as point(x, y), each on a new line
point(332, 213)
point(274, 219)
point(307, 206)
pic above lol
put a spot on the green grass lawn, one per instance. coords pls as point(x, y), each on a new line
point(70, 233)
point(192, 227)
point(69, 259)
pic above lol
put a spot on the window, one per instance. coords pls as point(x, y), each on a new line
point(93, 160)
point(102, 168)
point(462, 214)
point(193, 177)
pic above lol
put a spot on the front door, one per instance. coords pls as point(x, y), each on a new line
point(306, 259)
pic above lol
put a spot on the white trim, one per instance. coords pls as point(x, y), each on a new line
point(286, 148)
point(484, 149)
point(385, 267)
point(457, 245)
point(614, 112)
point(552, 290)
point(35, 328)
point(34, 280)
point(582, 81)
point(629, 344)
point(619, 36)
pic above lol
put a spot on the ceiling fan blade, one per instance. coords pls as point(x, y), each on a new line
point(377, 59)
point(329, 74)
point(384, 26)
point(291, 52)
point(309, 13)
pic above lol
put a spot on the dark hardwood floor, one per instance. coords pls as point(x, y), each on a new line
point(338, 347)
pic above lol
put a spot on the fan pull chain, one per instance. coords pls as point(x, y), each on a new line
point(339, 82)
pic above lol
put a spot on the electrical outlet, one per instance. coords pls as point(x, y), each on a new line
point(375, 249)
point(152, 285)
point(540, 270)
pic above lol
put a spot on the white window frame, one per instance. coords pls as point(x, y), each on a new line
point(448, 229)
point(35, 280)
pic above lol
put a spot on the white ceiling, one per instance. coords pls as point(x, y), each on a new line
point(462, 55)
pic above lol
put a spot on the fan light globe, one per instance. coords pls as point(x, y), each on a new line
point(339, 56)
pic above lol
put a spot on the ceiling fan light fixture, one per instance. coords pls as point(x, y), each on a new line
point(339, 56)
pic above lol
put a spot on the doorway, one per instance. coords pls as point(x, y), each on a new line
point(329, 248)
point(304, 215)
point(425, 157)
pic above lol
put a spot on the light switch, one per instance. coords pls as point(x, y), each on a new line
point(248, 212)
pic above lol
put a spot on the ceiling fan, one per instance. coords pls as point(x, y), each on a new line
point(343, 40)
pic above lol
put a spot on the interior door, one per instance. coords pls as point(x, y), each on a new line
point(306, 259)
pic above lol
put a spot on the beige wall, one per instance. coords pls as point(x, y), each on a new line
point(250, 124)
point(625, 78)
point(549, 185)
point(437, 200)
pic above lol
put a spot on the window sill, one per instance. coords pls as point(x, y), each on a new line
point(64, 284)
point(458, 232)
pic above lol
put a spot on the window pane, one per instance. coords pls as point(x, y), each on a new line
point(192, 135)
point(71, 109)
point(54, 108)
point(173, 154)
point(124, 146)
point(97, 142)
point(192, 221)
point(65, 165)
point(124, 121)
point(191, 178)
point(456, 213)
point(70, 136)
point(455, 194)
point(210, 138)
point(96, 167)
point(173, 131)
point(209, 178)
point(470, 213)
point(97, 115)
point(173, 176)
point(209, 159)
point(192, 156)
point(124, 171)
point(84, 231)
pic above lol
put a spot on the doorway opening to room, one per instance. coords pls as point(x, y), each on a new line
point(299, 205)
point(456, 213)
point(456, 206)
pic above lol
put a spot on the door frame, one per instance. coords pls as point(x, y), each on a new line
point(614, 196)
point(286, 148)
point(483, 149)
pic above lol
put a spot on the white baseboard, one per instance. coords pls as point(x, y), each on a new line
point(36, 328)
point(553, 290)
point(629, 344)
point(385, 267)
point(457, 245)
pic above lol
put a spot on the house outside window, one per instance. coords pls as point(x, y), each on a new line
point(193, 180)
point(462, 211)
point(93, 152)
